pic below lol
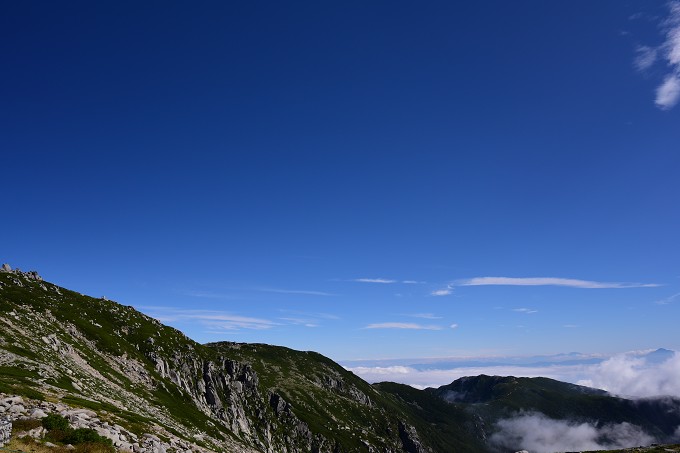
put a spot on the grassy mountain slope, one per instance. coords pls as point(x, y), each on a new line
point(58, 345)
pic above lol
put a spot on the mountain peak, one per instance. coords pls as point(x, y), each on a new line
point(31, 275)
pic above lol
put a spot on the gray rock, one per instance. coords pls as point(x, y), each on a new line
point(5, 432)
point(12, 400)
point(38, 413)
point(17, 409)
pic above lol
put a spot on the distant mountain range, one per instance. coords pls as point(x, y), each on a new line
point(148, 388)
point(440, 363)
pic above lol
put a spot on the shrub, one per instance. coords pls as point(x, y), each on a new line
point(93, 448)
point(25, 425)
point(55, 421)
point(85, 435)
point(56, 435)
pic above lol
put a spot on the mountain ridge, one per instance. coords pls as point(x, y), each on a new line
point(61, 347)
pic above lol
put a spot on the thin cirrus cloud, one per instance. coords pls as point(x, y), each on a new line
point(294, 291)
point(233, 322)
point(374, 280)
point(401, 325)
point(301, 322)
point(208, 295)
point(527, 311)
point(443, 291)
point(212, 295)
point(549, 281)
point(215, 320)
point(667, 300)
point(424, 316)
point(668, 92)
point(385, 281)
point(645, 57)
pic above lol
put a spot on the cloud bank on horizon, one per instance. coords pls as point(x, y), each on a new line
point(634, 374)
point(631, 375)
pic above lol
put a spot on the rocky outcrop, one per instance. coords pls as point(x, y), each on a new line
point(5, 432)
point(229, 391)
point(31, 275)
point(410, 439)
point(18, 408)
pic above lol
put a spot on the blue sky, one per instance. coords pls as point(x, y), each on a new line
point(365, 179)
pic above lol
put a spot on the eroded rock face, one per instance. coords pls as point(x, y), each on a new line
point(228, 391)
point(409, 437)
point(5, 432)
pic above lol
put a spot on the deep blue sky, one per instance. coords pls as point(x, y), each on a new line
point(236, 169)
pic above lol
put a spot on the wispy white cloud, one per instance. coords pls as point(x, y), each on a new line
point(645, 57)
point(453, 326)
point(221, 321)
point(210, 318)
point(301, 322)
point(386, 281)
point(306, 319)
point(528, 311)
point(668, 92)
point(294, 291)
point(667, 300)
point(550, 281)
point(447, 291)
point(374, 280)
point(401, 325)
point(425, 316)
point(208, 295)
point(214, 295)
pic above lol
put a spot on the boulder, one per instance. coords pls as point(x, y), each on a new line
point(38, 413)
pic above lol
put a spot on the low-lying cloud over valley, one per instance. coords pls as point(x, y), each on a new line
point(630, 374)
